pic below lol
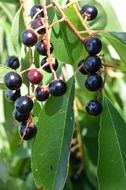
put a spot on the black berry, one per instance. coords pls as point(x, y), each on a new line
point(35, 9)
point(57, 87)
point(12, 95)
point(30, 131)
point(45, 64)
point(13, 80)
point(94, 107)
point(89, 11)
point(94, 82)
point(92, 64)
point(35, 76)
point(29, 38)
point(38, 23)
point(42, 93)
point(41, 47)
point(24, 104)
point(76, 178)
point(12, 62)
point(93, 45)
point(20, 117)
point(81, 67)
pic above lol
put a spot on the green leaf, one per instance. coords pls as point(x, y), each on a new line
point(67, 46)
point(120, 36)
point(15, 29)
point(118, 45)
point(3, 71)
point(50, 151)
point(112, 153)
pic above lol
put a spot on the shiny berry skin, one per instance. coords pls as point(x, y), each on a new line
point(35, 9)
point(24, 104)
point(92, 64)
point(35, 76)
point(12, 95)
point(29, 38)
point(20, 117)
point(94, 108)
point(57, 87)
point(45, 64)
point(42, 93)
point(13, 80)
point(93, 45)
point(41, 47)
point(82, 69)
point(12, 62)
point(30, 131)
point(94, 82)
point(38, 23)
point(89, 11)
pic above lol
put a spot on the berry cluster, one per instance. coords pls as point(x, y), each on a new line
point(92, 64)
point(13, 80)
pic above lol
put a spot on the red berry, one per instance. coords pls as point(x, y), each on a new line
point(35, 76)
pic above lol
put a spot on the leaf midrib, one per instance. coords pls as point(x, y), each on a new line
point(63, 138)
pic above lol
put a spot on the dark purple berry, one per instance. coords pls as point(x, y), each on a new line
point(89, 11)
point(94, 107)
point(76, 178)
point(42, 93)
point(94, 82)
point(81, 67)
point(45, 64)
point(29, 38)
point(24, 104)
point(38, 23)
point(92, 64)
point(13, 80)
point(35, 9)
point(57, 87)
point(35, 76)
point(30, 131)
point(20, 117)
point(12, 62)
point(41, 47)
point(12, 95)
point(93, 45)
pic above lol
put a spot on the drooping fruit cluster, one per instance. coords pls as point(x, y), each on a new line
point(13, 80)
point(91, 65)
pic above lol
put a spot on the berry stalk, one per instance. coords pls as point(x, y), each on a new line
point(67, 21)
point(47, 38)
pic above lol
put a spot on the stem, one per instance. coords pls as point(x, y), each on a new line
point(56, 22)
point(47, 37)
point(67, 20)
point(24, 133)
point(26, 10)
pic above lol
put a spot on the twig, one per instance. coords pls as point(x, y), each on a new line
point(56, 22)
point(67, 20)
point(47, 38)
